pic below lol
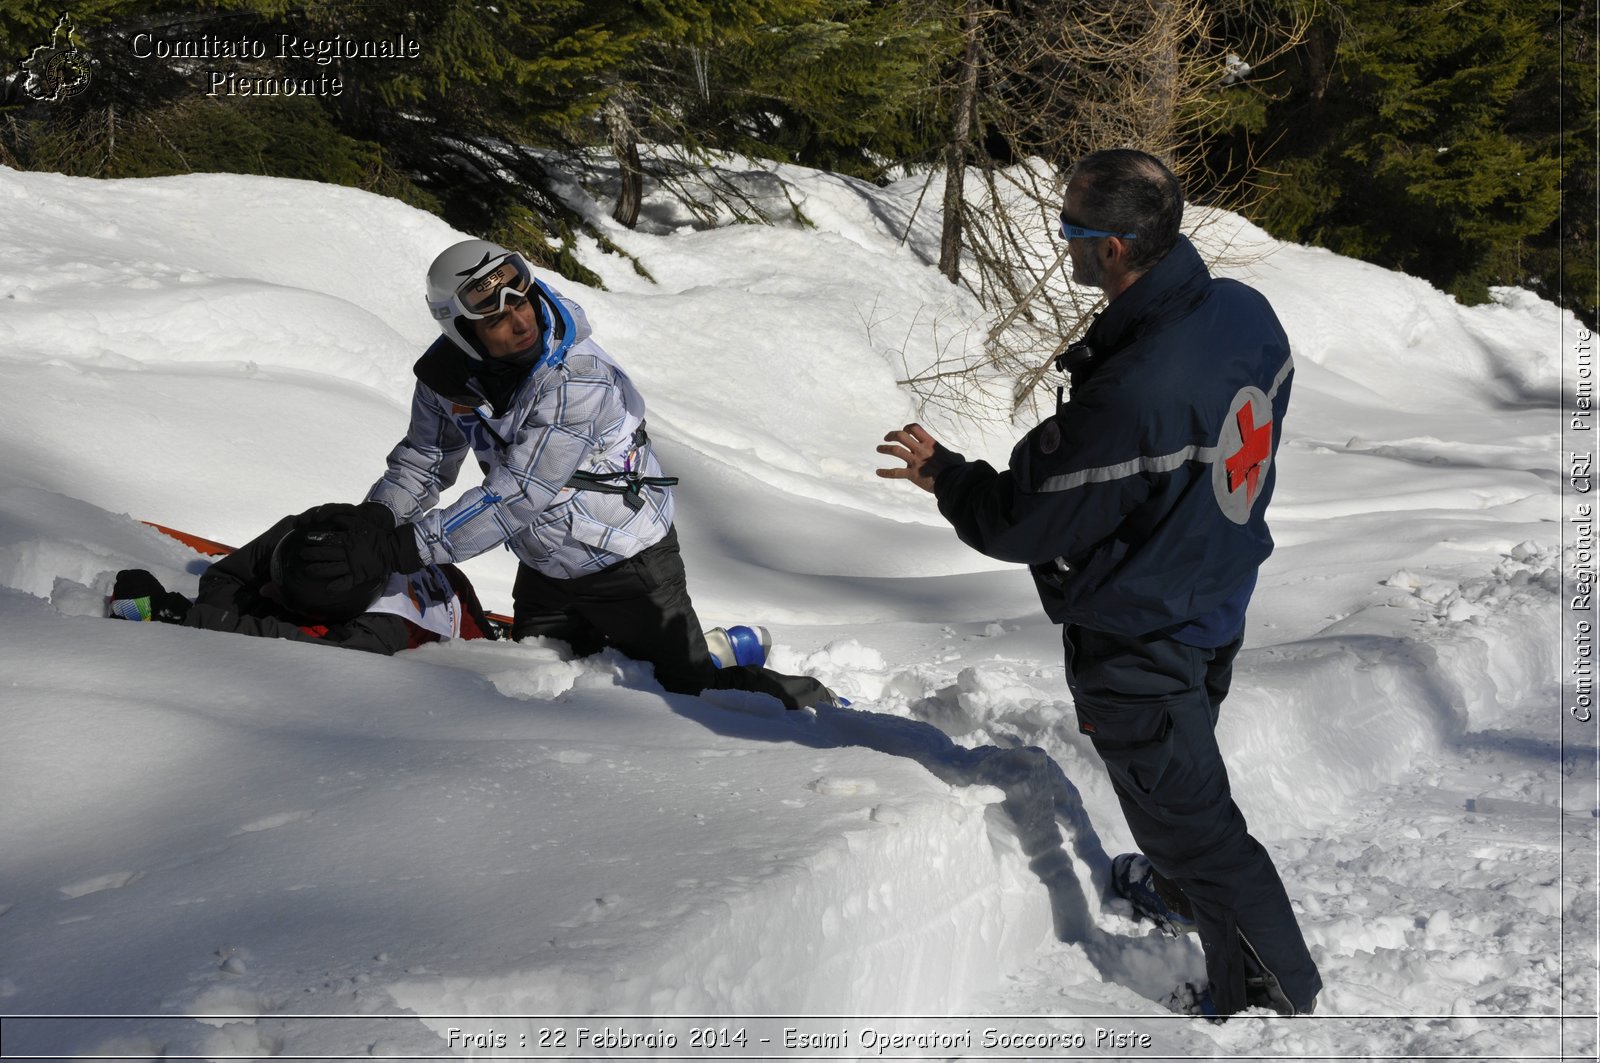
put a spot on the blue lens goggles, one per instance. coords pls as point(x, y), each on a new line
point(1078, 232)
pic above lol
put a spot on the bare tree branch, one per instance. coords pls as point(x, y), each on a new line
point(1054, 82)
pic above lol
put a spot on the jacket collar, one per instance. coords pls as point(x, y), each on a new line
point(1169, 289)
point(470, 381)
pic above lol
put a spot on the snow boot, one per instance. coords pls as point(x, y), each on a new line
point(833, 701)
point(1261, 988)
point(738, 645)
point(1152, 896)
point(1190, 999)
point(138, 595)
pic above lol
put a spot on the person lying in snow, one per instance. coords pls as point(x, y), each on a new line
point(262, 589)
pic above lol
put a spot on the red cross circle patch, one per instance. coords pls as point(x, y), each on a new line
point(1244, 454)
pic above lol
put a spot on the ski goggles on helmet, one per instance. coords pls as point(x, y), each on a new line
point(494, 288)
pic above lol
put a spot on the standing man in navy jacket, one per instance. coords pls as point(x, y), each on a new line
point(1140, 509)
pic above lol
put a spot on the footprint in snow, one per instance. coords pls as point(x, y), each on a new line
point(114, 881)
point(282, 819)
point(572, 756)
point(834, 786)
point(596, 910)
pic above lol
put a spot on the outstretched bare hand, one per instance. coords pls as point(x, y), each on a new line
point(925, 458)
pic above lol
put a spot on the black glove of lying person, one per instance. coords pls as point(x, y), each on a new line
point(364, 549)
point(343, 515)
point(137, 595)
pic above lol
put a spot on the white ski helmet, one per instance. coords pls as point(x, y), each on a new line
point(471, 280)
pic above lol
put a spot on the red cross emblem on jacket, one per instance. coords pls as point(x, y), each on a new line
point(1255, 447)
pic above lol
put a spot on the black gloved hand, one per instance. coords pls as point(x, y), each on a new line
point(359, 554)
point(343, 515)
point(137, 595)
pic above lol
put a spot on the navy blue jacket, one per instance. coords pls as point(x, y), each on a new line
point(1140, 505)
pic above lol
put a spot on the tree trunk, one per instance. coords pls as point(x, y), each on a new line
point(955, 152)
point(1164, 83)
point(624, 139)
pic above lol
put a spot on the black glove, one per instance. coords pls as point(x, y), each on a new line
point(343, 515)
point(360, 554)
point(137, 595)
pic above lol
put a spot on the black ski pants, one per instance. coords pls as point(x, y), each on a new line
point(1150, 705)
point(641, 606)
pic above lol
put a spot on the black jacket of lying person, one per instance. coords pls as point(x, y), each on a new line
point(262, 589)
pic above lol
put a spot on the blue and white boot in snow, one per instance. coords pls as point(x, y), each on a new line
point(1133, 877)
point(834, 701)
point(738, 645)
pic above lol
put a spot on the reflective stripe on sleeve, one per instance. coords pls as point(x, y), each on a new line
point(1148, 463)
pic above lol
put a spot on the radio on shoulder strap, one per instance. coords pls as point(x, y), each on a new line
point(626, 481)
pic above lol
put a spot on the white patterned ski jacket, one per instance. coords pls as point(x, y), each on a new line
point(576, 411)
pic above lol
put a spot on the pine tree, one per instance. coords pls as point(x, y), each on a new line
point(842, 85)
point(144, 115)
point(849, 86)
point(1407, 139)
point(466, 127)
point(1557, 113)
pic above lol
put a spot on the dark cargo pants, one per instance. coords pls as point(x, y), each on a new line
point(641, 606)
point(1150, 705)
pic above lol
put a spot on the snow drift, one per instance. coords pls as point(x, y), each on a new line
point(268, 848)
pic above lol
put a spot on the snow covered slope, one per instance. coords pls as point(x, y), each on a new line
point(198, 826)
